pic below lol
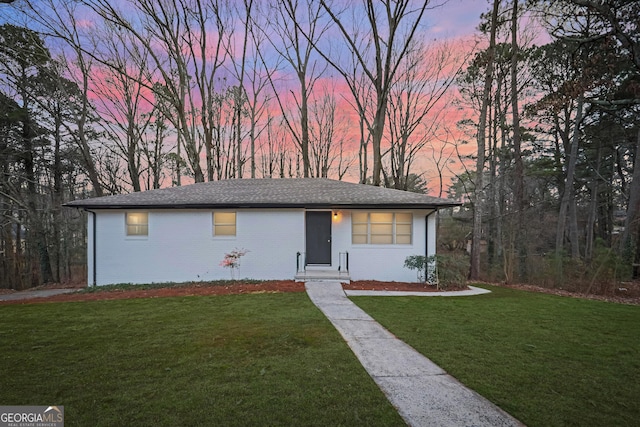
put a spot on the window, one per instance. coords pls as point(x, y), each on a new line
point(359, 227)
point(224, 223)
point(403, 228)
point(381, 228)
point(137, 223)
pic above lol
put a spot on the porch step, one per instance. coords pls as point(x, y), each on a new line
point(322, 275)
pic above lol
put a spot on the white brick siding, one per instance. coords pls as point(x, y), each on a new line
point(181, 247)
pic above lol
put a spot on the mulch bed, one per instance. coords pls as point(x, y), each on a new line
point(212, 289)
point(190, 290)
point(627, 296)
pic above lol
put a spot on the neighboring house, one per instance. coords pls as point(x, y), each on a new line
point(292, 228)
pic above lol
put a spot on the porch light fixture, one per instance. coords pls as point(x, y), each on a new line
point(335, 214)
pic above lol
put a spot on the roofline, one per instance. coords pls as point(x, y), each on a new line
point(265, 206)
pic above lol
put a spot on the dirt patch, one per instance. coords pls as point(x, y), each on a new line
point(66, 285)
point(627, 293)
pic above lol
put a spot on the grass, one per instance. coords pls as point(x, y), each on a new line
point(547, 360)
point(236, 360)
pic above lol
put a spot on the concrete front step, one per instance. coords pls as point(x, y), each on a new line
point(322, 275)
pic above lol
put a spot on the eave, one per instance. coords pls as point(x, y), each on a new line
point(174, 206)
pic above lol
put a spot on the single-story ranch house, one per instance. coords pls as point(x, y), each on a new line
point(289, 228)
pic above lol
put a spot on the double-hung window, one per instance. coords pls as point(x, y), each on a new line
point(137, 223)
point(224, 224)
point(381, 228)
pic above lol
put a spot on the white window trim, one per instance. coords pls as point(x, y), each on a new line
point(213, 226)
point(394, 229)
point(136, 236)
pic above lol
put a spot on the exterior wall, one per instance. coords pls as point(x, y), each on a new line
point(90, 249)
point(180, 247)
point(383, 262)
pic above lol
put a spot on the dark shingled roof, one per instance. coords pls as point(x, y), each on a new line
point(267, 193)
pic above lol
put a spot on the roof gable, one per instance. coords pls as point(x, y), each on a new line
point(265, 193)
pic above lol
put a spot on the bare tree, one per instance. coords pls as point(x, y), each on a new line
point(326, 143)
point(441, 155)
point(154, 149)
point(183, 52)
point(120, 91)
point(361, 99)
point(251, 74)
point(423, 79)
point(295, 30)
point(380, 48)
point(275, 154)
point(205, 56)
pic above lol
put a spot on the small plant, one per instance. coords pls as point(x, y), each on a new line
point(232, 260)
point(420, 264)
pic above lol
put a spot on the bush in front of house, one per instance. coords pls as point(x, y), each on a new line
point(446, 271)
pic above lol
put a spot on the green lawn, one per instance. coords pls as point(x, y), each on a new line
point(547, 360)
point(266, 359)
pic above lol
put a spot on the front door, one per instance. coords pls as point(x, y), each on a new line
point(318, 234)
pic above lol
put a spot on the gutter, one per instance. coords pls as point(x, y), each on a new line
point(426, 243)
point(150, 206)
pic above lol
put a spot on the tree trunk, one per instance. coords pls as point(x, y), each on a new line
point(593, 208)
point(37, 236)
point(363, 152)
point(376, 138)
point(304, 125)
point(132, 153)
point(568, 196)
point(478, 201)
point(631, 221)
point(57, 199)
point(518, 178)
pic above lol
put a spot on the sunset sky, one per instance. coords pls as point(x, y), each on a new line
point(456, 20)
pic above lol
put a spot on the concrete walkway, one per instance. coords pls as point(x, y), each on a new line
point(422, 392)
point(42, 293)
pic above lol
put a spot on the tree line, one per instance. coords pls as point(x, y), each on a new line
point(553, 193)
point(97, 98)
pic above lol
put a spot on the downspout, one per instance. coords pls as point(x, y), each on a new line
point(93, 251)
point(426, 241)
point(426, 233)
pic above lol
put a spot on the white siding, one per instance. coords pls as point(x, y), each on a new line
point(383, 262)
point(181, 247)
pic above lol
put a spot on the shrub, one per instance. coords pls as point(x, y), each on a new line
point(444, 270)
point(601, 275)
point(418, 263)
